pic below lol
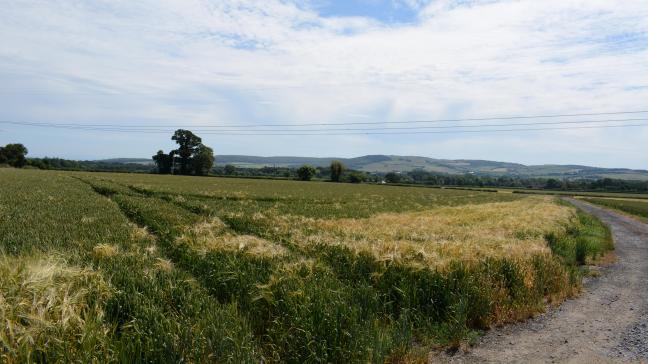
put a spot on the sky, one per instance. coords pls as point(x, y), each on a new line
point(146, 67)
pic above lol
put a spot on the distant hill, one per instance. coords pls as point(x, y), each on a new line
point(394, 163)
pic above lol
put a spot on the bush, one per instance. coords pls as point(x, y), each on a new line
point(230, 169)
point(14, 155)
point(306, 172)
point(356, 177)
point(392, 177)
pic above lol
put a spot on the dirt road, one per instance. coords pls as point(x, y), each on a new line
point(607, 323)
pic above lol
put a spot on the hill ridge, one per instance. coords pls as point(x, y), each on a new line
point(398, 163)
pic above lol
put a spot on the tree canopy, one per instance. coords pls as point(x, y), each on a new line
point(336, 170)
point(306, 172)
point(164, 162)
point(393, 177)
point(193, 156)
point(188, 144)
point(13, 155)
point(356, 177)
point(202, 160)
point(230, 169)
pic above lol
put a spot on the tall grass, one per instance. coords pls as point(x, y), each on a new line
point(582, 242)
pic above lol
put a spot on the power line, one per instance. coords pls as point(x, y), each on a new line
point(369, 132)
point(125, 129)
point(410, 127)
point(439, 132)
point(147, 127)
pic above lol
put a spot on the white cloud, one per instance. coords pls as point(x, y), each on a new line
point(235, 61)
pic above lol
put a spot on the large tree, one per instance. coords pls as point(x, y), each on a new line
point(164, 162)
point(336, 170)
point(203, 160)
point(14, 155)
point(194, 157)
point(188, 144)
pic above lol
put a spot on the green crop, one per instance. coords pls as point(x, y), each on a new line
point(173, 269)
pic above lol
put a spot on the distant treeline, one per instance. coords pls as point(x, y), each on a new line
point(14, 155)
point(419, 177)
point(72, 165)
point(319, 173)
point(436, 179)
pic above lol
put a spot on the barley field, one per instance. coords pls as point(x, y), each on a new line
point(99, 267)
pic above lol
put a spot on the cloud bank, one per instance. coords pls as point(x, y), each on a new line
point(243, 62)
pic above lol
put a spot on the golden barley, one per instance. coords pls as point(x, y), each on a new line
point(164, 264)
point(211, 235)
point(105, 251)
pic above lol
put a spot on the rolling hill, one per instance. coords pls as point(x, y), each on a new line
point(394, 163)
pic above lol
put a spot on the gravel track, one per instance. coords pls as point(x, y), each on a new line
point(607, 323)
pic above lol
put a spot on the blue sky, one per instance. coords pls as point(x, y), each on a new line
point(386, 11)
point(182, 63)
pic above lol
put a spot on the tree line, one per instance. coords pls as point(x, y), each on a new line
point(90, 166)
point(547, 183)
point(192, 157)
point(15, 155)
point(336, 172)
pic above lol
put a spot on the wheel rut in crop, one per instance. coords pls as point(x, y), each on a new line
point(608, 322)
point(166, 246)
point(227, 275)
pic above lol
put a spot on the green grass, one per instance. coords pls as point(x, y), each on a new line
point(580, 194)
point(583, 242)
point(633, 207)
point(170, 269)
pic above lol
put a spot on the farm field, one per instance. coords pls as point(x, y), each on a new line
point(635, 207)
point(528, 191)
point(148, 268)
